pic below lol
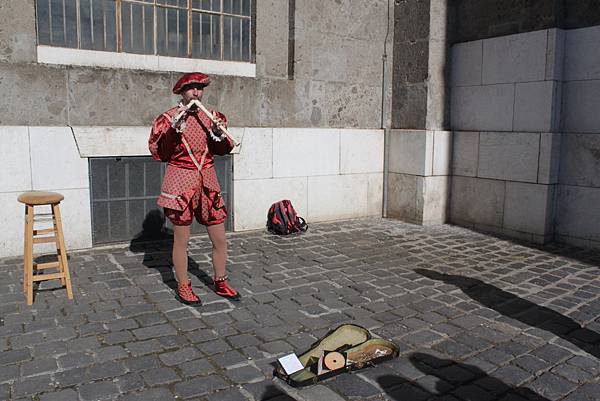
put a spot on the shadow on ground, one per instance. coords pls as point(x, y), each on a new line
point(467, 382)
point(522, 310)
point(156, 242)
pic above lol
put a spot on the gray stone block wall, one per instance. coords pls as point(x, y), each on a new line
point(337, 78)
point(526, 149)
point(578, 215)
point(482, 19)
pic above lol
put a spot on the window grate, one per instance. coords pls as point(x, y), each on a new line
point(207, 29)
point(123, 194)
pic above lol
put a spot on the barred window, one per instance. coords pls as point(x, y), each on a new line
point(207, 29)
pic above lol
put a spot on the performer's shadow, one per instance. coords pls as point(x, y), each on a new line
point(156, 242)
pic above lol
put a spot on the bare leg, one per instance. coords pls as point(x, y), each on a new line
point(216, 233)
point(180, 257)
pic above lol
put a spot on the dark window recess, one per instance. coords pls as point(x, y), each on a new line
point(124, 192)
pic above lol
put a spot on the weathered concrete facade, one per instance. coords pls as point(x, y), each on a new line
point(318, 70)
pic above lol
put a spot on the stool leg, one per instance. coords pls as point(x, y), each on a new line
point(63, 250)
point(28, 254)
point(61, 268)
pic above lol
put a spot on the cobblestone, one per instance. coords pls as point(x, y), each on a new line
point(474, 316)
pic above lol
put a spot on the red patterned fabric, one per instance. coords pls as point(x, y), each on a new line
point(190, 78)
point(186, 193)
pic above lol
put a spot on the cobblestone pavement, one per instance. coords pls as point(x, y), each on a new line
point(475, 317)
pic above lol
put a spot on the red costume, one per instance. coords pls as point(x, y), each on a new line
point(190, 186)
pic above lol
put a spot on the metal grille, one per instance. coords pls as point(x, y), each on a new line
point(209, 29)
point(124, 192)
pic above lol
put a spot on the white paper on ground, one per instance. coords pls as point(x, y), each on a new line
point(290, 363)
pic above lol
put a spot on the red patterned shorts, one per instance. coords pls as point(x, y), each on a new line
point(208, 208)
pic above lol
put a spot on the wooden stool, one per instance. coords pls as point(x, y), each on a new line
point(33, 236)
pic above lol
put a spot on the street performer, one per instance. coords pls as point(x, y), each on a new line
point(186, 139)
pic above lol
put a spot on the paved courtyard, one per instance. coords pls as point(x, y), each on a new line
point(476, 318)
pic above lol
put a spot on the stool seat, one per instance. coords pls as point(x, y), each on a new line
point(40, 198)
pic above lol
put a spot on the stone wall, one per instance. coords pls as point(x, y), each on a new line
point(337, 79)
point(482, 19)
point(578, 214)
point(326, 107)
point(505, 118)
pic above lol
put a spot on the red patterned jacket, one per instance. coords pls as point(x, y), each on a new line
point(183, 181)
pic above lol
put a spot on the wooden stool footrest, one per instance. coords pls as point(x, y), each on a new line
point(43, 231)
point(52, 276)
point(47, 265)
point(43, 240)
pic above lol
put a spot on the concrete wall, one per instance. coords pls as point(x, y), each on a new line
point(323, 76)
point(505, 117)
point(578, 215)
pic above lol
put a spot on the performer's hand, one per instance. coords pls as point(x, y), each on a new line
point(218, 126)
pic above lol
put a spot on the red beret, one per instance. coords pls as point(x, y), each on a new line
point(190, 78)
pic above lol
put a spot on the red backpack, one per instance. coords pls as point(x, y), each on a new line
point(282, 219)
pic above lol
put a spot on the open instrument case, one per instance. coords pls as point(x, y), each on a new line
point(347, 348)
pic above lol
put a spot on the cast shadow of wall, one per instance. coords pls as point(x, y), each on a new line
point(522, 310)
point(466, 381)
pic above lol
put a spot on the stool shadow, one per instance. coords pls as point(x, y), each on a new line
point(469, 381)
point(156, 242)
point(522, 310)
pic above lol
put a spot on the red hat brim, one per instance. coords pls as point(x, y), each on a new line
point(191, 78)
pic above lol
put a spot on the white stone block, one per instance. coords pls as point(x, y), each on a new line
point(465, 153)
point(435, 198)
point(55, 161)
point(529, 207)
point(112, 141)
point(580, 160)
point(337, 197)
point(361, 151)
point(75, 213)
point(442, 152)
point(77, 221)
point(475, 200)
point(12, 214)
point(577, 214)
point(16, 173)
point(534, 103)
point(305, 152)
point(582, 58)
point(255, 159)
point(375, 194)
point(581, 102)
point(411, 152)
point(555, 54)
point(402, 197)
point(509, 156)
point(549, 163)
point(482, 108)
point(252, 199)
point(515, 58)
point(467, 63)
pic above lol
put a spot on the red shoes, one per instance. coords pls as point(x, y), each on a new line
point(186, 295)
point(223, 289)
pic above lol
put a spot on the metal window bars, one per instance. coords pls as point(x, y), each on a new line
point(215, 29)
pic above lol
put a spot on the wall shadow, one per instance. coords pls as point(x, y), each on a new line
point(467, 381)
point(522, 310)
